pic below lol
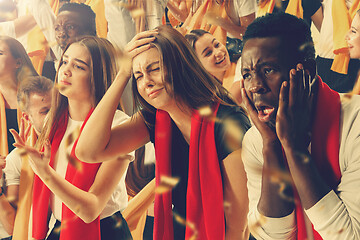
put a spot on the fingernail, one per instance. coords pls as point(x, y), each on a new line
point(285, 83)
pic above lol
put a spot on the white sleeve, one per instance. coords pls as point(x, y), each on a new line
point(45, 19)
point(13, 168)
point(337, 214)
point(7, 29)
point(262, 227)
point(244, 7)
point(121, 26)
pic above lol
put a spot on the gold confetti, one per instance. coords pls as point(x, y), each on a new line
point(166, 184)
point(72, 137)
point(189, 224)
point(233, 134)
point(205, 111)
point(118, 220)
point(227, 206)
point(306, 45)
point(23, 152)
point(255, 226)
point(74, 162)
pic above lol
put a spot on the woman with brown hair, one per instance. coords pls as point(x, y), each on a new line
point(73, 190)
point(14, 66)
point(184, 111)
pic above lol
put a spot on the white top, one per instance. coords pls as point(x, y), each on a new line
point(13, 168)
point(118, 200)
point(154, 11)
point(336, 215)
point(3, 233)
point(7, 28)
point(244, 7)
point(121, 26)
point(325, 44)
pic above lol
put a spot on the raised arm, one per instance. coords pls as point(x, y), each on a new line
point(98, 142)
point(86, 205)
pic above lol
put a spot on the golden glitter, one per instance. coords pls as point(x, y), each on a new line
point(72, 137)
point(74, 162)
point(166, 184)
point(189, 224)
point(205, 111)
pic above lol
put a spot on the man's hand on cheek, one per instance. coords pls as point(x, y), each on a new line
point(293, 120)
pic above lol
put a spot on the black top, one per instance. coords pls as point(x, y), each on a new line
point(11, 123)
point(180, 152)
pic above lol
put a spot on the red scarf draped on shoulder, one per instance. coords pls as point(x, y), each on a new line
point(72, 227)
point(204, 199)
point(324, 146)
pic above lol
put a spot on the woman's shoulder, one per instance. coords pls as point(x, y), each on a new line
point(233, 112)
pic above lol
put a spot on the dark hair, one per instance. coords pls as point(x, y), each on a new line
point(103, 70)
point(185, 79)
point(18, 52)
point(86, 13)
point(39, 85)
point(294, 33)
point(194, 35)
point(139, 174)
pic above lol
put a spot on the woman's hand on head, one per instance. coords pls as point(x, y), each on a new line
point(140, 43)
point(39, 161)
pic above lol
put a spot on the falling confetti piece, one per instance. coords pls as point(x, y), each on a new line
point(188, 224)
point(166, 184)
point(205, 111)
point(258, 224)
point(304, 46)
point(23, 152)
point(233, 134)
point(74, 162)
point(118, 220)
point(72, 137)
point(227, 206)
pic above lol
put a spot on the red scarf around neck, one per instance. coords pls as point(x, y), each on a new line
point(204, 199)
point(324, 146)
point(72, 227)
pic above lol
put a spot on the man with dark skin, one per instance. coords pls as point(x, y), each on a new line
point(300, 156)
point(74, 20)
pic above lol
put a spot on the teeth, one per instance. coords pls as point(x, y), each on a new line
point(267, 110)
